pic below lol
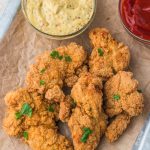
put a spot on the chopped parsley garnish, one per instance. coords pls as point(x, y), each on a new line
point(42, 70)
point(25, 135)
point(55, 54)
point(140, 91)
point(86, 133)
point(51, 108)
point(25, 110)
point(60, 57)
point(100, 52)
point(18, 115)
point(68, 58)
point(116, 97)
point(42, 82)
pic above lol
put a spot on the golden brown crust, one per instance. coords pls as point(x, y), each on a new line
point(117, 127)
point(65, 109)
point(115, 57)
point(103, 123)
point(42, 138)
point(40, 126)
point(130, 100)
point(88, 96)
point(70, 81)
point(55, 94)
point(56, 71)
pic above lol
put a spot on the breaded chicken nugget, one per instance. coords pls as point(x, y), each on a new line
point(54, 67)
point(29, 116)
point(85, 120)
point(117, 127)
point(122, 95)
point(108, 56)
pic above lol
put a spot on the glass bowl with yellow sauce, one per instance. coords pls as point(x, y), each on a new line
point(59, 19)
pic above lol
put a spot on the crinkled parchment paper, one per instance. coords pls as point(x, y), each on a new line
point(22, 44)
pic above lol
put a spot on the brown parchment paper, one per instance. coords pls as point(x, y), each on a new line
point(21, 44)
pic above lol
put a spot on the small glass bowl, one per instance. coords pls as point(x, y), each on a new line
point(127, 29)
point(59, 37)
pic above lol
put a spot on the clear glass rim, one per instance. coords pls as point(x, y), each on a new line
point(128, 30)
point(60, 37)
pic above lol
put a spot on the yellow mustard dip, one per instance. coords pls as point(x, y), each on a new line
point(59, 17)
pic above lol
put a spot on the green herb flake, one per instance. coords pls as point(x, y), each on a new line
point(25, 135)
point(42, 70)
point(54, 54)
point(42, 82)
point(18, 115)
point(25, 110)
point(100, 52)
point(86, 133)
point(60, 57)
point(51, 108)
point(140, 91)
point(116, 97)
point(68, 59)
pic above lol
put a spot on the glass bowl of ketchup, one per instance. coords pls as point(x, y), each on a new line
point(135, 16)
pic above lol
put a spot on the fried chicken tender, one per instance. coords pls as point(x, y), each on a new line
point(55, 67)
point(108, 56)
point(122, 95)
point(88, 97)
point(40, 126)
point(117, 127)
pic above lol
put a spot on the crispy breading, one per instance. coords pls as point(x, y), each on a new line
point(14, 101)
point(117, 127)
point(42, 138)
point(108, 56)
point(54, 71)
point(103, 123)
point(78, 56)
point(125, 88)
point(73, 79)
point(88, 97)
point(55, 94)
point(40, 126)
point(65, 109)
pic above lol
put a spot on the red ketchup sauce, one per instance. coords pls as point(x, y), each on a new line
point(136, 17)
